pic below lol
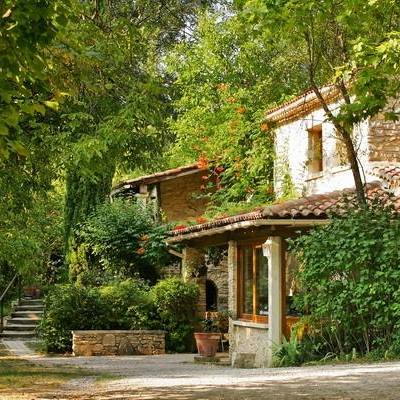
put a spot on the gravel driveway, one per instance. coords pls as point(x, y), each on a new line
point(176, 377)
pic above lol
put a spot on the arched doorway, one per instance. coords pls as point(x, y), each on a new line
point(211, 296)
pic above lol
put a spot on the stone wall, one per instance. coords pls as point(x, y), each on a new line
point(178, 197)
point(249, 344)
point(384, 140)
point(217, 272)
point(172, 270)
point(110, 343)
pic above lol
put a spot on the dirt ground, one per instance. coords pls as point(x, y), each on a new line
point(176, 377)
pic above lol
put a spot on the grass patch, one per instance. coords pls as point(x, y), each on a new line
point(21, 374)
point(354, 359)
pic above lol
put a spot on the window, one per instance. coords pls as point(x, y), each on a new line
point(252, 284)
point(315, 162)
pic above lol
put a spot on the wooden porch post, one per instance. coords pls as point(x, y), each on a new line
point(274, 294)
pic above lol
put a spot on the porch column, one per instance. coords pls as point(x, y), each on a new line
point(192, 262)
point(232, 279)
point(273, 248)
point(232, 297)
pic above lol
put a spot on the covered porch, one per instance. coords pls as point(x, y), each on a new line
point(260, 279)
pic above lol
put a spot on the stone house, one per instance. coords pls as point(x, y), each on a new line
point(310, 167)
point(176, 194)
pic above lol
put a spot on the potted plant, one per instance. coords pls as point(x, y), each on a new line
point(207, 341)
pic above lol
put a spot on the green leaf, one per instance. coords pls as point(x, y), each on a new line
point(54, 105)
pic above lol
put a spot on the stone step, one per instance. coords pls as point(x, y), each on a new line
point(17, 334)
point(23, 321)
point(27, 314)
point(15, 327)
point(28, 308)
point(33, 302)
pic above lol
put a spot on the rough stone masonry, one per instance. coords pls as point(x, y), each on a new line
point(122, 342)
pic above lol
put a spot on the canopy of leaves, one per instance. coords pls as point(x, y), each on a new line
point(226, 78)
point(27, 28)
point(351, 42)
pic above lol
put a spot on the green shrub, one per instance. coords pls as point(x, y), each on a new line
point(175, 303)
point(120, 240)
point(289, 353)
point(350, 279)
point(131, 304)
point(67, 308)
point(128, 305)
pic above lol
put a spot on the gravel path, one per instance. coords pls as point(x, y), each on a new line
point(176, 377)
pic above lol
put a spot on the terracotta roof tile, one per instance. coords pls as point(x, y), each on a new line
point(158, 176)
point(389, 174)
point(301, 105)
point(317, 206)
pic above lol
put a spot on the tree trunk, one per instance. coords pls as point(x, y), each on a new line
point(355, 168)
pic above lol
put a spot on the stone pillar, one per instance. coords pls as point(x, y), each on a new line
point(273, 250)
point(232, 279)
point(192, 260)
point(232, 297)
point(192, 263)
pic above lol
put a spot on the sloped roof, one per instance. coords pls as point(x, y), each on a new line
point(301, 105)
point(389, 174)
point(313, 207)
point(157, 177)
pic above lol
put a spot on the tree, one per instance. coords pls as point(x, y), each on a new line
point(353, 44)
point(27, 29)
point(225, 79)
point(30, 209)
point(120, 96)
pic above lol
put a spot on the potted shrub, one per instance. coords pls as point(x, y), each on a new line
point(207, 341)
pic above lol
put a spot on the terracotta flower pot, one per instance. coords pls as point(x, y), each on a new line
point(207, 343)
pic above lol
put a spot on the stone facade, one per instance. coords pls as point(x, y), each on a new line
point(178, 197)
point(384, 140)
point(198, 267)
point(111, 343)
point(217, 272)
point(172, 270)
point(292, 149)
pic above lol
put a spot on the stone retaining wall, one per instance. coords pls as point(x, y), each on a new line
point(110, 343)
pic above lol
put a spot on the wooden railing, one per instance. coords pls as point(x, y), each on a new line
point(15, 281)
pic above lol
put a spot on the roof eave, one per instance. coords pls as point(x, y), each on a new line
point(244, 225)
point(301, 106)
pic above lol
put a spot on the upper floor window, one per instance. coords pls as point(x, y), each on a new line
point(315, 160)
point(252, 283)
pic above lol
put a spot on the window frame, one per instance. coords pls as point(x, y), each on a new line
point(240, 284)
point(314, 133)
